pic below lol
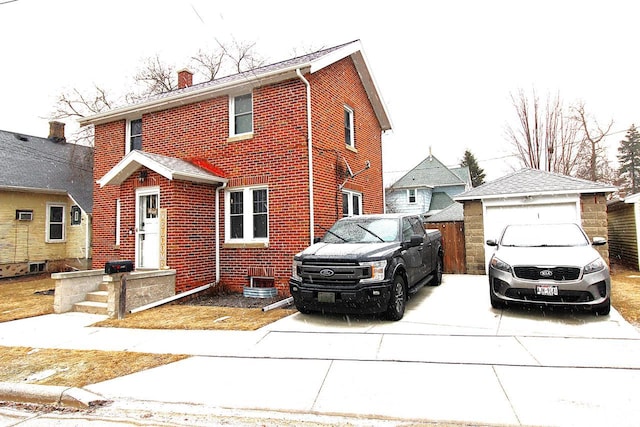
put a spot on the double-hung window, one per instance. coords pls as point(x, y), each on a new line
point(411, 195)
point(247, 215)
point(241, 114)
point(55, 223)
point(134, 135)
point(349, 138)
point(351, 203)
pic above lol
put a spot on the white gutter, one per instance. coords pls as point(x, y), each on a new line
point(310, 148)
point(224, 184)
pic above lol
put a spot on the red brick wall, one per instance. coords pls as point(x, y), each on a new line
point(276, 155)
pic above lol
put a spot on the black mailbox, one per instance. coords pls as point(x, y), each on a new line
point(120, 266)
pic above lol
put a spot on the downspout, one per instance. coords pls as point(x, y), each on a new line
point(310, 149)
point(221, 187)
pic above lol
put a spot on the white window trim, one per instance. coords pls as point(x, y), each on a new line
point(351, 193)
point(232, 115)
point(352, 137)
point(247, 215)
point(48, 239)
point(127, 140)
point(415, 196)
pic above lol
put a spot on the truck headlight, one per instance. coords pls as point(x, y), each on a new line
point(594, 266)
point(294, 270)
point(498, 264)
point(376, 271)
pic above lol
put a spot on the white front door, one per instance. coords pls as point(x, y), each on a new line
point(147, 228)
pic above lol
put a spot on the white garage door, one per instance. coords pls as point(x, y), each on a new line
point(496, 217)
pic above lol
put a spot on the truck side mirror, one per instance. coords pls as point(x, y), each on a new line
point(317, 239)
point(416, 240)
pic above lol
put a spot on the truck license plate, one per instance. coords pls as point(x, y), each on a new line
point(547, 290)
point(326, 297)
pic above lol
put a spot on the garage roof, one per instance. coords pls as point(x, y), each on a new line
point(527, 182)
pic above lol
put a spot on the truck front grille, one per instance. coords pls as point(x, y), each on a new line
point(335, 273)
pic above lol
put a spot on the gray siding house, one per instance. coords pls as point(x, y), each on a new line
point(428, 188)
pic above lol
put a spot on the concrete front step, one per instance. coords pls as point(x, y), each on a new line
point(91, 307)
point(98, 296)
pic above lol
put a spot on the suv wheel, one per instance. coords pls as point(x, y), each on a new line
point(398, 299)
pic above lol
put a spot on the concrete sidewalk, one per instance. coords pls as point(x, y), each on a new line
point(452, 357)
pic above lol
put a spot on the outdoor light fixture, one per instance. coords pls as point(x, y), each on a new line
point(142, 176)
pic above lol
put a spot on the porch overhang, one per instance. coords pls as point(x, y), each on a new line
point(171, 168)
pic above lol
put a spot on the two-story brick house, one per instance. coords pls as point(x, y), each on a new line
point(225, 181)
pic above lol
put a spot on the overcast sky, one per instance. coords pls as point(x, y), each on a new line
point(445, 69)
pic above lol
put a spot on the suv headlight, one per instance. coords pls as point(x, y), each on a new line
point(294, 270)
point(498, 264)
point(594, 266)
point(376, 270)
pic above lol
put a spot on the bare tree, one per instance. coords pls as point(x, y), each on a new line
point(545, 137)
point(593, 163)
point(242, 55)
point(73, 105)
point(209, 63)
point(156, 76)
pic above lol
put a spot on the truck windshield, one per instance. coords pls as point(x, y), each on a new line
point(359, 230)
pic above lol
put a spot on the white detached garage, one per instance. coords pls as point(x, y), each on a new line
point(530, 196)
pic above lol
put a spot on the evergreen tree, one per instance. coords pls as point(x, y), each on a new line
point(477, 173)
point(629, 159)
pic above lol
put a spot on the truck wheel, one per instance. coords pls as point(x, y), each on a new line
point(398, 299)
point(303, 310)
point(437, 276)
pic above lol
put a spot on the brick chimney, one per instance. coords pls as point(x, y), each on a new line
point(56, 132)
point(185, 78)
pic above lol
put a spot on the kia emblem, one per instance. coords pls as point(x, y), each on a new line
point(546, 273)
point(327, 272)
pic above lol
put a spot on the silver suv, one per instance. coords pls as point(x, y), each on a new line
point(549, 264)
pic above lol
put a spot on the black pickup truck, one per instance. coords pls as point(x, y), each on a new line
point(367, 264)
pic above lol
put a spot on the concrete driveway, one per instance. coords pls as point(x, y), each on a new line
point(452, 357)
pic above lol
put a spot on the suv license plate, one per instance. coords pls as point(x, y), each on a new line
point(547, 290)
point(326, 297)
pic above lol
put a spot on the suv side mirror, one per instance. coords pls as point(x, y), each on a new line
point(492, 242)
point(599, 241)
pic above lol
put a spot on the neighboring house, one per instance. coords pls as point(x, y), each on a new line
point(624, 230)
point(225, 181)
point(530, 196)
point(46, 202)
point(428, 188)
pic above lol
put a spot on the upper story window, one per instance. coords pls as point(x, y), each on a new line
point(349, 139)
point(134, 135)
point(55, 223)
point(351, 203)
point(411, 195)
point(241, 114)
point(247, 215)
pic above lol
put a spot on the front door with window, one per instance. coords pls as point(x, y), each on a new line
point(147, 228)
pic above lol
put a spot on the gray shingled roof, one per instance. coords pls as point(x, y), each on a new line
point(429, 172)
point(533, 181)
point(169, 167)
point(439, 201)
point(40, 164)
point(453, 212)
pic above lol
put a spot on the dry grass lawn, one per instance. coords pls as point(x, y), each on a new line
point(23, 297)
point(199, 317)
point(73, 368)
point(625, 293)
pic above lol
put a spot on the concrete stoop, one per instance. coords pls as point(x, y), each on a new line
point(95, 302)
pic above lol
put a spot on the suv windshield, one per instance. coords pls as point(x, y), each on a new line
point(359, 230)
point(540, 235)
